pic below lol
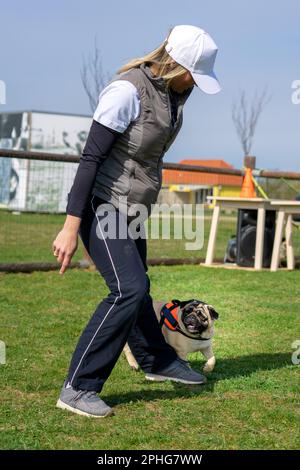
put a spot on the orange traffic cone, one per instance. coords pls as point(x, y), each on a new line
point(248, 189)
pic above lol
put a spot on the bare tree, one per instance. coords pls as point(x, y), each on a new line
point(245, 118)
point(93, 77)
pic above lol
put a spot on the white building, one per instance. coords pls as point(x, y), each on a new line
point(33, 185)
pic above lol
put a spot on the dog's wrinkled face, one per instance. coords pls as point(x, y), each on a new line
point(197, 317)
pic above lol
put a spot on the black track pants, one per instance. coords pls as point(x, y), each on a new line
point(126, 314)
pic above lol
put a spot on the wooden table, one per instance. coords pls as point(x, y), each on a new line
point(285, 211)
point(261, 205)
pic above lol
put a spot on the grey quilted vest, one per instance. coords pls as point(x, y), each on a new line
point(134, 166)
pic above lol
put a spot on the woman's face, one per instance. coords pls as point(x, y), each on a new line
point(182, 83)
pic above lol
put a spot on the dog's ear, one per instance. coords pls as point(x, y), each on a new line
point(213, 312)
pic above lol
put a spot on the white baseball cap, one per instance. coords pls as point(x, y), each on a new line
point(195, 50)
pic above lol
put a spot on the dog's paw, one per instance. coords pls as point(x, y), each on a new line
point(207, 368)
point(209, 365)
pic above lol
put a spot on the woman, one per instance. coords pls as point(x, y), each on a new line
point(138, 117)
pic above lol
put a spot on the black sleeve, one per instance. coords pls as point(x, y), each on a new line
point(98, 145)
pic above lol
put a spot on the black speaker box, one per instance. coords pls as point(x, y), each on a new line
point(296, 217)
point(246, 237)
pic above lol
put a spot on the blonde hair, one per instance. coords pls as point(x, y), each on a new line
point(166, 67)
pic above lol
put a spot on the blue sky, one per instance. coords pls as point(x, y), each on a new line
point(42, 45)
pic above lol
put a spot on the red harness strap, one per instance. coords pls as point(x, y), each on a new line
point(169, 317)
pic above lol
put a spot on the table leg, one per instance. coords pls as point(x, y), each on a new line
point(289, 243)
point(260, 234)
point(212, 236)
point(277, 240)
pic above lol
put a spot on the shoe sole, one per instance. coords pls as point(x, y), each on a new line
point(64, 406)
point(162, 378)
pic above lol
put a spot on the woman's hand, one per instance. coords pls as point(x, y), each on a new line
point(66, 242)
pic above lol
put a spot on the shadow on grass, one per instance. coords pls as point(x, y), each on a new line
point(229, 368)
point(241, 366)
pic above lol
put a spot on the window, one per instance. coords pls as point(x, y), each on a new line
point(201, 195)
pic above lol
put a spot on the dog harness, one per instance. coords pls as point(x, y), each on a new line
point(169, 317)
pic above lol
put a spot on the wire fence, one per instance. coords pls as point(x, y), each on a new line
point(33, 199)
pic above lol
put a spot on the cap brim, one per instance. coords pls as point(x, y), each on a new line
point(207, 83)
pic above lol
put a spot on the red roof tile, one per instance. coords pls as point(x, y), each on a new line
point(210, 179)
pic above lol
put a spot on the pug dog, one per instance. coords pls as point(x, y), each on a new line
point(188, 326)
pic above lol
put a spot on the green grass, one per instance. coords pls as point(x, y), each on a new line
point(28, 237)
point(251, 400)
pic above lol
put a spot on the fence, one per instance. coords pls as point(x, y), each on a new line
point(33, 191)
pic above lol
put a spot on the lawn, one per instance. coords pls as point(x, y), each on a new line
point(251, 400)
point(26, 237)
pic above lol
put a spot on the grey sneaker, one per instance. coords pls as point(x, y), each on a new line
point(178, 371)
point(82, 402)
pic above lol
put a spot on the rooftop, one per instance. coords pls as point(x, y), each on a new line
point(209, 179)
